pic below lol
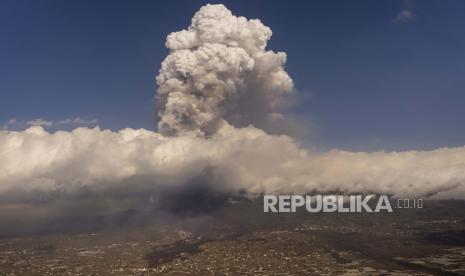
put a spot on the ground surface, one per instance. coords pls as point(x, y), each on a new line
point(240, 239)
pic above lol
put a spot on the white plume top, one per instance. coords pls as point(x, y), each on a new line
point(217, 72)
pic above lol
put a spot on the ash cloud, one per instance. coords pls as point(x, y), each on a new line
point(217, 88)
point(219, 71)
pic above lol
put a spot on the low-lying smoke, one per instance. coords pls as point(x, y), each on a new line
point(216, 87)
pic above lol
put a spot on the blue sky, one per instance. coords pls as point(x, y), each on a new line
point(368, 82)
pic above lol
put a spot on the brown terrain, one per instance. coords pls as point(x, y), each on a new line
point(239, 239)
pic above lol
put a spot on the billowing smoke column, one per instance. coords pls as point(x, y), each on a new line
point(218, 71)
point(216, 87)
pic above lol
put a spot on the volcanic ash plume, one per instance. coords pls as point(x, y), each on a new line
point(218, 72)
point(216, 87)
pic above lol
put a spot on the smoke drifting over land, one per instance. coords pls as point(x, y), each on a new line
point(218, 88)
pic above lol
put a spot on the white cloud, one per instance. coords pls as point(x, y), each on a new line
point(40, 122)
point(101, 162)
point(403, 16)
point(13, 124)
point(7, 125)
point(77, 121)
